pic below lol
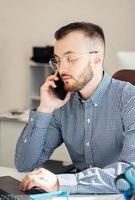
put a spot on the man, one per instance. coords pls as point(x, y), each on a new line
point(96, 120)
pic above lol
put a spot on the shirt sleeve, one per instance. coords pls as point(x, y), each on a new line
point(96, 180)
point(39, 138)
point(92, 180)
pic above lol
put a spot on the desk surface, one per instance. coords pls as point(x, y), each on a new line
point(5, 171)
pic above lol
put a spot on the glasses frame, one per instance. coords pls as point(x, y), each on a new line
point(69, 60)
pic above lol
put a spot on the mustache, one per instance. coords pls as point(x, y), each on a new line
point(62, 75)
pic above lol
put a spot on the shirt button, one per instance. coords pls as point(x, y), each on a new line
point(88, 120)
point(31, 119)
point(87, 144)
point(95, 105)
point(25, 140)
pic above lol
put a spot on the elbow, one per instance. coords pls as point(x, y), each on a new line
point(23, 169)
point(25, 165)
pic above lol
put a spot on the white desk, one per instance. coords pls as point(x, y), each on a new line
point(5, 171)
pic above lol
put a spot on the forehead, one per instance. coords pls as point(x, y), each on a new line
point(74, 42)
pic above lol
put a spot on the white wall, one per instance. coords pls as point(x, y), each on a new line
point(26, 23)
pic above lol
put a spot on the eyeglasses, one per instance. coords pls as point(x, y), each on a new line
point(54, 63)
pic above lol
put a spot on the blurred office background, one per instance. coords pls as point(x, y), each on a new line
point(28, 23)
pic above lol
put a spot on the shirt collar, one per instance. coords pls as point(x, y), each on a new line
point(100, 91)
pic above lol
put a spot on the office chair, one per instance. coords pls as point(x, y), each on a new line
point(125, 75)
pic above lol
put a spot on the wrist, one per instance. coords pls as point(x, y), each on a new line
point(56, 186)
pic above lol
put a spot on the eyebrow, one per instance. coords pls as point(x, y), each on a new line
point(66, 53)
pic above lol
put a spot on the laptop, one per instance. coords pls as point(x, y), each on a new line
point(9, 189)
point(9, 186)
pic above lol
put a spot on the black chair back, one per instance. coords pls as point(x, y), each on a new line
point(125, 75)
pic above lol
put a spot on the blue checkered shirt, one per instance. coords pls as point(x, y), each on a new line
point(99, 134)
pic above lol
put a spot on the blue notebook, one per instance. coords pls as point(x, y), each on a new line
point(49, 196)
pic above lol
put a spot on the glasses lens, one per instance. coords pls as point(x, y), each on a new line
point(53, 64)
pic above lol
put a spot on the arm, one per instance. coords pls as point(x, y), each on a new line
point(42, 134)
point(92, 180)
point(96, 180)
point(37, 142)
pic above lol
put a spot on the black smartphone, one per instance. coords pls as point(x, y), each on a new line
point(60, 91)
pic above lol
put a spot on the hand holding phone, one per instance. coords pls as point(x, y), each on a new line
point(60, 91)
point(48, 91)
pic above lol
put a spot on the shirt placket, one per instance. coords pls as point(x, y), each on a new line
point(88, 134)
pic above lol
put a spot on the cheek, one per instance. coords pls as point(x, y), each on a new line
point(84, 68)
point(78, 69)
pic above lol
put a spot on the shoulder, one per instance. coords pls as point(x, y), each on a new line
point(123, 89)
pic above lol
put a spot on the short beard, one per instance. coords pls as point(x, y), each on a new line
point(85, 77)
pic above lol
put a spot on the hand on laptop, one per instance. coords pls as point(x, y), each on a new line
point(42, 179)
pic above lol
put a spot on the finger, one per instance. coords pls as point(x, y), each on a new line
point(34, 181)
point(47, 85)
point(23, 185)
point(52, 84)
point(52, 78)
point(31, 184)
point(25, 181)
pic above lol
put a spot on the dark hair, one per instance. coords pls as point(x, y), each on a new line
point(89, 29)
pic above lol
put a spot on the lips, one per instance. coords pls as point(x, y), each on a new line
point(66, 77)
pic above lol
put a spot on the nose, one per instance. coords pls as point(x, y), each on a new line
point(64, 64)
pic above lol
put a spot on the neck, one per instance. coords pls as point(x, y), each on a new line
point(91, 86)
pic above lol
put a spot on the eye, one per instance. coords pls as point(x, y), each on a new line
point(74, 59)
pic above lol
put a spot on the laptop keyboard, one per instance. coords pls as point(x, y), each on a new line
point(5, 196)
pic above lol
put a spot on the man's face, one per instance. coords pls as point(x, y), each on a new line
point(75, 61)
